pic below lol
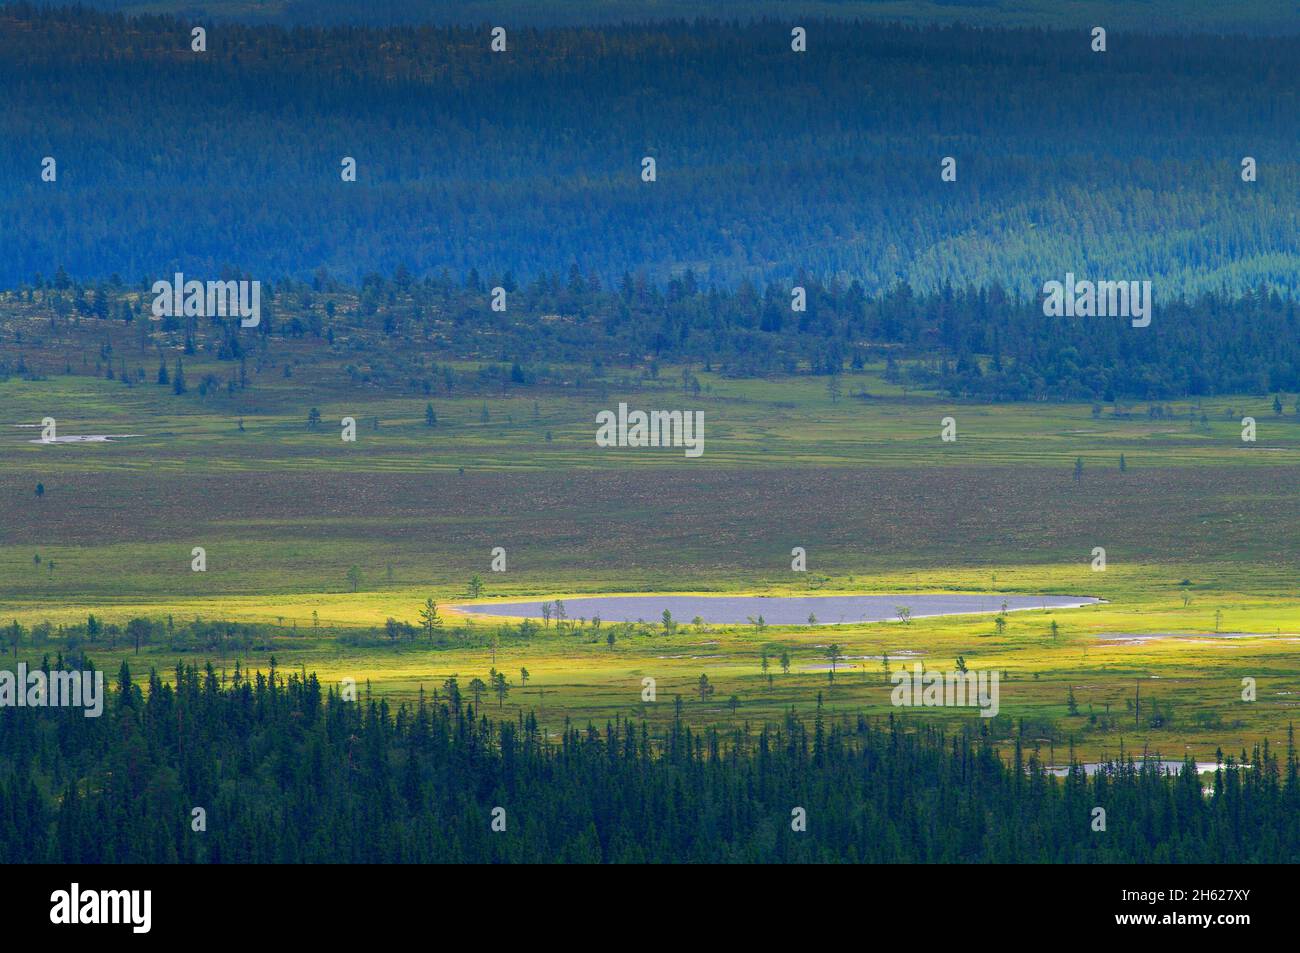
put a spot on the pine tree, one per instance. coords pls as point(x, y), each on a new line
point(430, 619)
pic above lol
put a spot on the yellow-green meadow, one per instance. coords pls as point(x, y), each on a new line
point(319, 542)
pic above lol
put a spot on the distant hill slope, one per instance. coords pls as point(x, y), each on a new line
point(1242, 16)
point(1122, 165)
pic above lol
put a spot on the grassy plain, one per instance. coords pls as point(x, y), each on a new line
point(1198, 530)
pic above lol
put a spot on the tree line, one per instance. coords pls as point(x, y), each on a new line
point(574, 330)
point(276, 768)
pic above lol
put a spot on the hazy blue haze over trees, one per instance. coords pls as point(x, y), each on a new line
point(1116, 165)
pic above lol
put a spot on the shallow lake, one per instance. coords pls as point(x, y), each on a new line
point(779, 610)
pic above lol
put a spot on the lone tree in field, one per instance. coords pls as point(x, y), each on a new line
point(546, 614)
point(475, 586)
point(833, 653)
point(669, 625)
point(354, 577)
point(313, 419)
point(904, 614)
point(785, 663)
point(704, 688)
point(523, 678)
point(1078, 469)
point(430, 418)
point(430, 619)
point(610, 639)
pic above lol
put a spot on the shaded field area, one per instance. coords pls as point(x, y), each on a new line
point(129, 534)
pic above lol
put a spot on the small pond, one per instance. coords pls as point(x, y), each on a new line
point(779, 610)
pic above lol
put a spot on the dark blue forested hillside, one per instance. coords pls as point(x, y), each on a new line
point(1120, 165)
point(1264, 17)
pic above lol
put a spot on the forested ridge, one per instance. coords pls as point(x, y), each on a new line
point(400, 334)
point(287, 772)
point(1123, 165)
point(1244, 16)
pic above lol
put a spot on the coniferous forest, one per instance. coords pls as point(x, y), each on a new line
point(968, 343)
point(286, 772)
point(1125, 165)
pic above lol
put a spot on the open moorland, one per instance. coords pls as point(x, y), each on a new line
point(320, 553)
